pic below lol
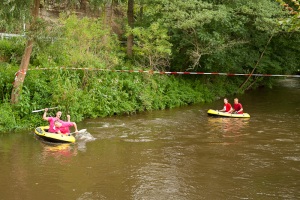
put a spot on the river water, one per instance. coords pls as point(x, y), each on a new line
point(180, 154)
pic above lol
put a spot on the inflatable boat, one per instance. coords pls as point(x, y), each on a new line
point(42, 133)
point(226, 114)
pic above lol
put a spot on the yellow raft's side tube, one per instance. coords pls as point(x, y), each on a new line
point(42, 133)
point(225, 114)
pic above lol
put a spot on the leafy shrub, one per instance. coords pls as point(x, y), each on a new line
point(11, 50)
point(7, 119)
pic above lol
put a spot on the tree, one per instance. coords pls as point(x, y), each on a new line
point(152, 46)
point(130, 16)
point(193, 27)
point(11, 10)
point(292, 7)
point(20, 75)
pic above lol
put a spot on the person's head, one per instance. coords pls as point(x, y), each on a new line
point(225, 100)
point(57, 123)
point(236, 100)
point(58, 114)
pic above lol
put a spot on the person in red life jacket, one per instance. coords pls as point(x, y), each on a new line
point(64, 127)
point(237, 107)
point(227, 106)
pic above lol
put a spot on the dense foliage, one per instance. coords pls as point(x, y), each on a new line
point(169, 35)
point(292, 7)
point(90, 94)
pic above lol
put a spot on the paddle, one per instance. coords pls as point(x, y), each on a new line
point(34, 111)
point(80, 131)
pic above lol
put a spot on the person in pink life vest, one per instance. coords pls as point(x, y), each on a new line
point(237, 107)
point(227, 106)
point(51, 120)
point(64, 127)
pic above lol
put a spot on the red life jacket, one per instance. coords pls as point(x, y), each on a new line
point(237, 107)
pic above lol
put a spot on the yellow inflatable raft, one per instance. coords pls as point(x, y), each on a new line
point(225, 114)
point(42, 133)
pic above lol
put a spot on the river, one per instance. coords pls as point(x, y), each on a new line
point(180, 154)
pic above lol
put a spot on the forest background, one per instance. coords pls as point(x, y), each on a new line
point(52, 36)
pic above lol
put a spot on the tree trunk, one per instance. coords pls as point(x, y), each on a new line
point(20, 75)
point(108, 14)
point(141, 11)
point(130, 16)
point(261, 56)
point(84, 5)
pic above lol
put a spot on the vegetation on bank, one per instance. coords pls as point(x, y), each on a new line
point(91, 94)
point(209, 35)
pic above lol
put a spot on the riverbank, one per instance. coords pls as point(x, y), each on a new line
point(90, 94)
point(126, 40)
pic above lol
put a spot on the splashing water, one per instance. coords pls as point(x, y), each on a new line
point(82, 138)
point(85, 136)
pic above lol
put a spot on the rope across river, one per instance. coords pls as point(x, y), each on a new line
point(163, 72)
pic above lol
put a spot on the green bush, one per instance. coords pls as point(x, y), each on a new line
point(7, 119)
point(11, 50)
point(91, 94)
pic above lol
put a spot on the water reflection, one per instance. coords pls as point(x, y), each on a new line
point(230, 125)
point(58, 150)
point(227, 130)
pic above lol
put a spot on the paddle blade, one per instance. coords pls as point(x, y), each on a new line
point(35, 111)
point(80, 131)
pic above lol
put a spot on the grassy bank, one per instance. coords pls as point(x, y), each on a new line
point(92, 94)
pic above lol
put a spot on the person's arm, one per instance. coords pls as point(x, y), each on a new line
point(224, 109)
point(68, 118)
point(241, 108)
point(45, 115)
